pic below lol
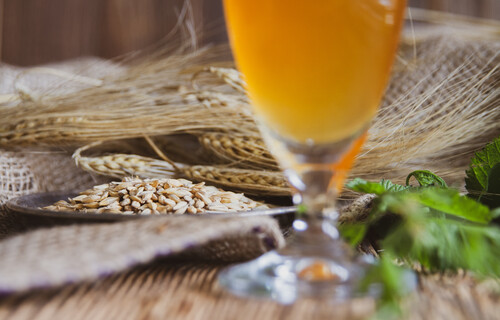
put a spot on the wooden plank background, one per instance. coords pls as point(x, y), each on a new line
point(39, 31)
point(489, 9)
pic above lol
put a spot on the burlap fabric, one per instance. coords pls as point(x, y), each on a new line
point(25, 171)
point(442, 61)
point(441, 71)
point(54, 256)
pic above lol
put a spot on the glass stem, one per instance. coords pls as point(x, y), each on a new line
point(316, 193)
point(315, 233)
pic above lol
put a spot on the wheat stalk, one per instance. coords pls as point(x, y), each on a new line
point(270, 183)
point(239, 150)
point(124, 165)
point(443, 103)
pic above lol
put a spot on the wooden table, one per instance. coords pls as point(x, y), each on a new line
point(179, 290)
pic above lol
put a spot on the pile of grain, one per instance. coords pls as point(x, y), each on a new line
point(156, 196)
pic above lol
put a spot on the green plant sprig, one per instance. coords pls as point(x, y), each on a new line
point(432, 225)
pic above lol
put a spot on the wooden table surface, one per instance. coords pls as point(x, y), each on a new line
point(177, 290)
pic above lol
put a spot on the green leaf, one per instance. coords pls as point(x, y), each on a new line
point(494, 179)
point(353, 233)
point(425, 232)
point(394, 285)
point(426, 179)
point(392, 187)
point(435, 240)
point(495, 213)
point(477, 181)
point(444, 244)
point(364, 186)
point(420, 225)
point(378, 188)
point(492, 196)
point(441, 200)
point(450, 201)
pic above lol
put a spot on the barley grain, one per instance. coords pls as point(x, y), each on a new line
point(157, 196)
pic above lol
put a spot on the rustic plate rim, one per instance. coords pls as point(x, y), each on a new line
point(18, 205)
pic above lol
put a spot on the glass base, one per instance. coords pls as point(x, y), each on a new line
point(285, 279)
point(316, 263)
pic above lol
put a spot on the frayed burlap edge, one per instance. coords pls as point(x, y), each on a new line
point(55, 256)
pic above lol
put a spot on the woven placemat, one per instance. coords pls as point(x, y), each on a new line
point(170, 290)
